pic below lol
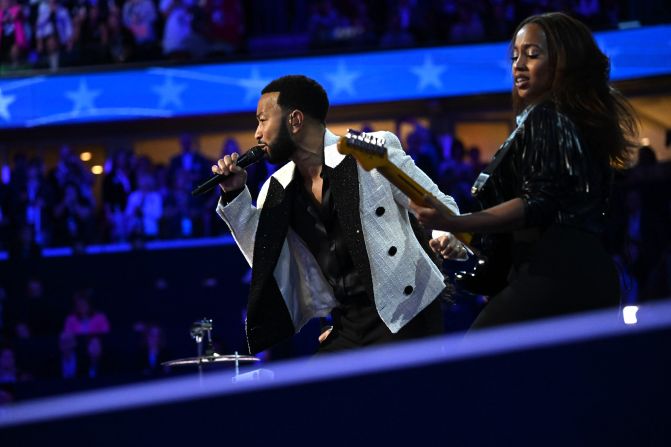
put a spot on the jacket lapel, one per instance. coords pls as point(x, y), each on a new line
point(268, 319)
point(344, 180)
point(271, 232)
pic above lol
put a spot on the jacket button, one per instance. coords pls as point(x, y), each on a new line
point(392, 251)
point(408, 290)
point(379, 211)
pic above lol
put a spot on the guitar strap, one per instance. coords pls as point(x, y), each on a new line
point(498, 157)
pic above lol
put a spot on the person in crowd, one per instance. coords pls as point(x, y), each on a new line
point(140, 17)
point(121, 41)
point(31, 205)
point(117, 186)
point(54, 34)
point(10, 372)
point(13, 38)
point(144, 209)
point(224, 23)
point(181, 216)
point(84, 319)
point(181, 36)
point(152, 352)
point(93, 33)
point(67, 364)
point(73, 218)
point(189, 159)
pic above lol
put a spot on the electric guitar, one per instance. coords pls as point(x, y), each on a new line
point(370, 152)
point(476, 275)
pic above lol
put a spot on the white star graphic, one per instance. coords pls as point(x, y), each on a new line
point(253, 85)
point(429, 74)
point(169, 93)
point(343, 80)
point(5, 101)
point(82, 97)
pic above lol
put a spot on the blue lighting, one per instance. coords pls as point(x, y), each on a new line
point(349, 79)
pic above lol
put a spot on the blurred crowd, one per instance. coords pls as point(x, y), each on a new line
point(74, 352)
point(141, 200)
point(138, 200)
point(48, 34)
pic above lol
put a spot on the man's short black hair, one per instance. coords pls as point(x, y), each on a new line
point(302, 93)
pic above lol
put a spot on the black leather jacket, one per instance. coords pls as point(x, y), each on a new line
point(551, 168)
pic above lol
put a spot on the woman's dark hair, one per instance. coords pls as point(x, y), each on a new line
point(580, 87)
point(302, 93)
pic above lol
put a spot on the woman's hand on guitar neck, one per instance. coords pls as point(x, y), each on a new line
point(433, 217)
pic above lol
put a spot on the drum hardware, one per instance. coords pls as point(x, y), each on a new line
point(201, 332)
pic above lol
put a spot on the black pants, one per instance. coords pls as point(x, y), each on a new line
point(566, 271)
point(358, 324)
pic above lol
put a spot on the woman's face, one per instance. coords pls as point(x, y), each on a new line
point(531, 64)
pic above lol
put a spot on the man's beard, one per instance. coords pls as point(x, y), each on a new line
point(281, 150)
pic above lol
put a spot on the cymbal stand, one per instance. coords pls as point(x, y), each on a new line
point(198, 329)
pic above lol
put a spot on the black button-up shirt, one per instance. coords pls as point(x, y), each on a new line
point(318, 226)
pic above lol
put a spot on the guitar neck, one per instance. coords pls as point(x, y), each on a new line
point(370, 153)
point(411, 188)
point(418, 194)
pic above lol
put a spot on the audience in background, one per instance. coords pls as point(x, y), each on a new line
point(79, 354)
point(141, 200)
point(50, 34)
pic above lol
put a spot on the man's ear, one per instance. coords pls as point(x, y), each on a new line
point(296, 119)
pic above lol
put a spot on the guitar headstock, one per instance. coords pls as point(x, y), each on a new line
point(367, 149)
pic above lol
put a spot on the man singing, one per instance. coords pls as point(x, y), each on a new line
point(326, 236)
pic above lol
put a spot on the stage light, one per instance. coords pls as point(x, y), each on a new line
point(5, 174)
point(85, 156)
point(629, 314)
point(97, 169)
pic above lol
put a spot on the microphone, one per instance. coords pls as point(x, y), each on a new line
point(252, 156)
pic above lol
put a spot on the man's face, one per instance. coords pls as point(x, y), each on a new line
point(272, 129)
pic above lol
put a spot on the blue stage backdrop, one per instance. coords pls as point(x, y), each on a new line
point(349, 79)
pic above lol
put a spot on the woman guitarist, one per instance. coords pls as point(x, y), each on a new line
point(550, 188)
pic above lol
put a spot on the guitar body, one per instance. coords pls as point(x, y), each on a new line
point(487, 272)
